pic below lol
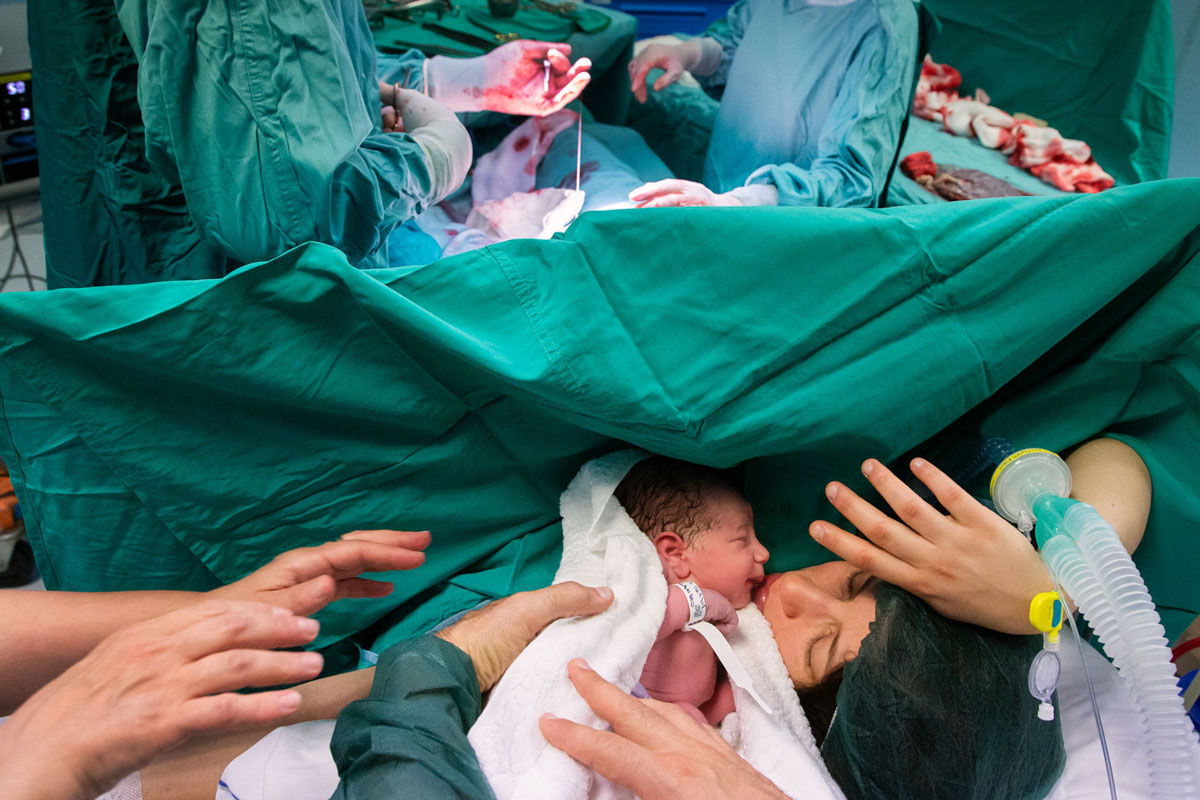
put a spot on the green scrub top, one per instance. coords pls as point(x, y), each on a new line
point(182, 140)
point(813, 94)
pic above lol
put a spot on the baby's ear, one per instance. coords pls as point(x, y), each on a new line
point(671, 549)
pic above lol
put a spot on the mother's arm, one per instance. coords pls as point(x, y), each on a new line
point(970, 564)
point(44, 633)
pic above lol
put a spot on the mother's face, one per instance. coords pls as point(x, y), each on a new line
point(819, 616)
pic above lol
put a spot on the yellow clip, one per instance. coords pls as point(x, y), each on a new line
point(1046, 614)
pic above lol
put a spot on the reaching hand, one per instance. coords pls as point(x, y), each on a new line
point(309, 578)
point(674, 59)
point(676, 192)
point(496, 634)
point(512, 79)
point(655, 749)
point(969, 565)
point(147, 688)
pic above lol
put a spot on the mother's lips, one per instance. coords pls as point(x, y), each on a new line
point(764, 588)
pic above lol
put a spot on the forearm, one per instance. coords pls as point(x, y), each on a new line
point(191, 771)
point(676, 615)
point(35, 775)
point(709, 57)
point(44, 633)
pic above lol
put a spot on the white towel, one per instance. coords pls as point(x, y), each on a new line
point(603, 547)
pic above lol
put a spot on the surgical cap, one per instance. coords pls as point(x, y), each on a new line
point(933, 708)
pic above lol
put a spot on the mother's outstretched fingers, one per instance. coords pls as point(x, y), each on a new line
point(348, 558)
point(959, 502)
point(896, 538)
point(228, 626)
point(413, 540)
point(915, 512)
point(229, 710)
point(230, 670)
point(308, 597)
point(862, 554)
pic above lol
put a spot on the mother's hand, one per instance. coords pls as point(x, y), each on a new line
point(147, 688)
point(307, 579)
point(970, 565)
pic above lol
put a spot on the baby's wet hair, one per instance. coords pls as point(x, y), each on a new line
point(666, 494)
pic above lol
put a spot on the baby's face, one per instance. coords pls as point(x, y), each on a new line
point(728, 558)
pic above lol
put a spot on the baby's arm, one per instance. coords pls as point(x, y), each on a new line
point(677, 613)
point(718, 610)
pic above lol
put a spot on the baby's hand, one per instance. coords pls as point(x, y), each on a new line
point(719, 611)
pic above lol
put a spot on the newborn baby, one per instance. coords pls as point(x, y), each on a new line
point(703, 530)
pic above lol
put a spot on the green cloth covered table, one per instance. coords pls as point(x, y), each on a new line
point(181, 434)
point(1104, 76)
point(962, 152)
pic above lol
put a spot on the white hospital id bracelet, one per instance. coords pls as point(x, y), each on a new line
point(697, 608)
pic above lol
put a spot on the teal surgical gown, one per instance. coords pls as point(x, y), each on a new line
point(183, 139)
point(813, 95)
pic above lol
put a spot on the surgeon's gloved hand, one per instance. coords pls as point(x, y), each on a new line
point(445, 141)
point(674, 193)
point(529, 78)
point(389, 117)
point(700, 56)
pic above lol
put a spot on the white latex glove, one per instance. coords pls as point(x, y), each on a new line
point(699, 56)
point(389, 119)
point(675, 192)
point(512, 79)
point(446, 143)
